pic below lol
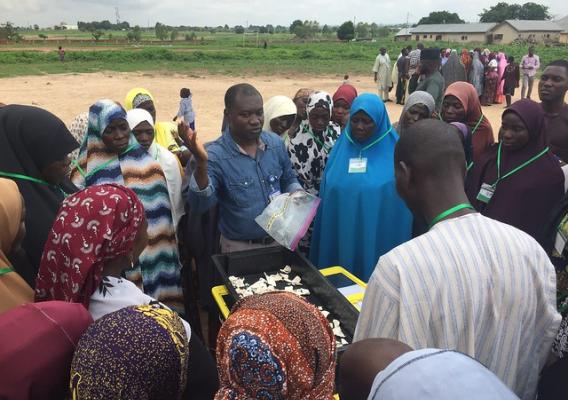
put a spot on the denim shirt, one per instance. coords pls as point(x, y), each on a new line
point(242, 184)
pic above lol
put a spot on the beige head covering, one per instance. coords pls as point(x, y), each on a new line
point(275, 107)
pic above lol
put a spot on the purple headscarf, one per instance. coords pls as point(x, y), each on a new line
point(524, 199)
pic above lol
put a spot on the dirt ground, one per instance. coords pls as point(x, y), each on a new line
point(70, 94)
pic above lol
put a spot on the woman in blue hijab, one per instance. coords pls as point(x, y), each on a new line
point(361, 216)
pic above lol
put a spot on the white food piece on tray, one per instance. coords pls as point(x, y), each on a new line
point(338, 332)
point(325, 313)
point(297, 280)
point(302, 292)
point(287, 269)
point(289, 289)
point(344, 342)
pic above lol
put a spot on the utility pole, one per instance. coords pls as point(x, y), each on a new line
point(117, 14)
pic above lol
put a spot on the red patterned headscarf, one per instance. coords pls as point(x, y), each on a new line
point(92, 226)
point(276, 346)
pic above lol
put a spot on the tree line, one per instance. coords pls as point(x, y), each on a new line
point(498, 13)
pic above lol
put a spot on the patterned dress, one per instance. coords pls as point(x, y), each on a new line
point(309, 151)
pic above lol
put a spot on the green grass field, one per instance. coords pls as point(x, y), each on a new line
point(220, 53)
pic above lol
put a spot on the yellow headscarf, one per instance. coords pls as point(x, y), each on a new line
point(163, 130)
point(14, 291)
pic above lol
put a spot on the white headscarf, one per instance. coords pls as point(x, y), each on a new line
point(438, 374)
point(169, 163)
point(277, 106)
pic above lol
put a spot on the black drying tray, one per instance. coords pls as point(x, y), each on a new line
point(252, 264)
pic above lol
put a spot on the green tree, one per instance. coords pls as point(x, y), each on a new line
point(500, 12)
point(239, 29)
point(534, 11)
point(9, 32)
point(161, 31)
point(174, 35)
point(503, 11)
point(383, 31)
point(137, 33)
point(441, 17)
point(42, 36)
point(270, 29)
point(325, 30)
point(374, 29)
point(295, 25)
point(346, 31)
point(362, 30)
point(36, 27)
point(97, 35)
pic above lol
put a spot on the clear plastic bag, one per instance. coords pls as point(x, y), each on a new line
point(288, 217)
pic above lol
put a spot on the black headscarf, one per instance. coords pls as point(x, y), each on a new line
point(525, 199)
point(30, 139)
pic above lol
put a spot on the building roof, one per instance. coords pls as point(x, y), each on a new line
point(454, 28)
point(521, 25)
point(563, 23)
point(405, 32)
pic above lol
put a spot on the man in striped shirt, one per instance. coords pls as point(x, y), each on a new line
point(470, 284)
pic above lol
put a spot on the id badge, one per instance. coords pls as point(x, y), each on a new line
point(274, 195)
point(357, 165)
point(561, 237)
point(486, 193)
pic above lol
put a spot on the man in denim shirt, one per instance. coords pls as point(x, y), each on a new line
point(242, 171)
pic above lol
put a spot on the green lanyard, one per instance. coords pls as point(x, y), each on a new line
point(102, 166)
point(450, 211)
point(6, 270)
point(32, 179)
point(514, 170)
point(361, 150)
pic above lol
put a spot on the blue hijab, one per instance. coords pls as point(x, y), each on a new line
point(361, 216)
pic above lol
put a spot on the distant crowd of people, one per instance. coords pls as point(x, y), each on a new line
point(107, 228)
point(494, 75)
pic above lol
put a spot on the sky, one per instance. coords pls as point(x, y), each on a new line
point(240, 12)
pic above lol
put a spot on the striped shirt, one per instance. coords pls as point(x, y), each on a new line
point(470, 284)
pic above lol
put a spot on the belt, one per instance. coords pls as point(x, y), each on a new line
point(263, 241)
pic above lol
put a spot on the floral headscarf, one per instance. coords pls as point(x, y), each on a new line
point(93, 226)
point(275, 346)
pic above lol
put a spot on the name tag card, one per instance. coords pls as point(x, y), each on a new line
point(357, 165)
point(486, 193)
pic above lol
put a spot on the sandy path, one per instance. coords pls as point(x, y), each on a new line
point(69, 94)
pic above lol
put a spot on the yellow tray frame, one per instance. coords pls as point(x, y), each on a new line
point(220, 291)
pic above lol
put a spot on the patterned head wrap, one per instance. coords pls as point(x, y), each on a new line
point(94, 154)
point(137, 96)
point(93, 226)
point(137, 352)
point(320, 99)
point(275, 346)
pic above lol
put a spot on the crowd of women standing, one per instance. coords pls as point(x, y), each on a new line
point(92, 244)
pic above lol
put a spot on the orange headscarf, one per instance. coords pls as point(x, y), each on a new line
point(482, 132)
point(14, 291)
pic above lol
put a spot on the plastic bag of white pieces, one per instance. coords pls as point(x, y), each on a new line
point(288, 217)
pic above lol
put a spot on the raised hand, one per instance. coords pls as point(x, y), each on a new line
point(190, 139)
